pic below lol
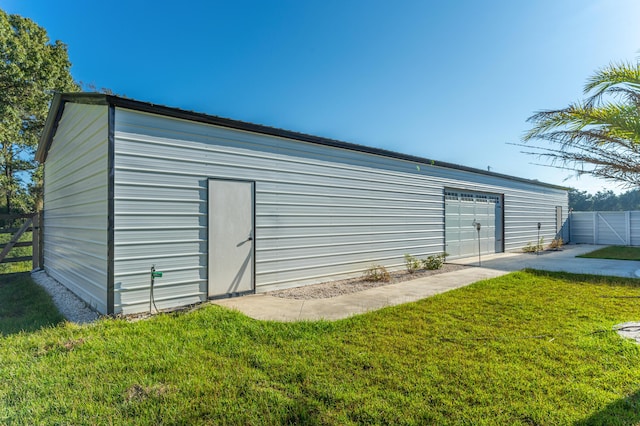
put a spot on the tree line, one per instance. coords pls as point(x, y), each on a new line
point(581, 201)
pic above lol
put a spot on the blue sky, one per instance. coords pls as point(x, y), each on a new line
point(448, 80)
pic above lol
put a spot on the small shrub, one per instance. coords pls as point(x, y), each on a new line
point(412, 263)
point(434, 261)
point(377, 273)
point(556, 244)
point(530, 248)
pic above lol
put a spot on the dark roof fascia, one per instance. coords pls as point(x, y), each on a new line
point(103, 99)
point(55, 113)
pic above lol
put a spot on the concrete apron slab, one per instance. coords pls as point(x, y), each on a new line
point(266, 307)
point(563, 260)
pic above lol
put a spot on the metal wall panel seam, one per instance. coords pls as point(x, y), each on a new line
point(344, 234)
point(332, 254)
point(369, 242)
point(161, 299)
point(160, 285)
point(399, 177)
point(178, 145)
point(346, 224)
point(121, 183)
point(161, 200)
point(79, 252)
point(167, 270)
point(325, 265)
point(73, 171)
point(110, 209)
point(355, 197)
point(158, 256)
point(267, 180)
point(221, 162)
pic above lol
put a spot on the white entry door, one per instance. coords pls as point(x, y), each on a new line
point(231, 237)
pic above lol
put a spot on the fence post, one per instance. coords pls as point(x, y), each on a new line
point(41, 239)
point(35, 247)
point(627, 222)
point(595, 227)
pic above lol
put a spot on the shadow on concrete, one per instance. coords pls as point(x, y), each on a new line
point(623, 412)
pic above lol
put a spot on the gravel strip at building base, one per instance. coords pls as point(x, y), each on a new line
point(70, 306)
point(353, 285)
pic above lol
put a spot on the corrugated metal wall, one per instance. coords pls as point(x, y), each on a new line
point(75, 204)
point(523, 210)
point(321, 213)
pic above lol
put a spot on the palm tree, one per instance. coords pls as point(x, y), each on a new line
point(599, 136)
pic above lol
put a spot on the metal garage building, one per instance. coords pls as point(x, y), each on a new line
point(224, 207)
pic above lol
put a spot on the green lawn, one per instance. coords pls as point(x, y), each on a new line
point(6, 268)
point(527, 348)
point(615, 252)
point(24, 305)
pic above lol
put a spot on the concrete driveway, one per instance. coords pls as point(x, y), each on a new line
point(563, 260)
point(266, 307)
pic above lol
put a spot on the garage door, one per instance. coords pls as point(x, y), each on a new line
point(462, 211)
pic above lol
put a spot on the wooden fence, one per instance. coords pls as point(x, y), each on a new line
point(17, 225)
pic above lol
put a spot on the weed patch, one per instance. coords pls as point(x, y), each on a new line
point(377, 273)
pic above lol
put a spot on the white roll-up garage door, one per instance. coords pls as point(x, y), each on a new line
point(462, 211)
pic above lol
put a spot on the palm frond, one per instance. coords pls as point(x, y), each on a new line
point(623, 74)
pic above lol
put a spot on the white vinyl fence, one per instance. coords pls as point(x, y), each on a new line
point(613, 228)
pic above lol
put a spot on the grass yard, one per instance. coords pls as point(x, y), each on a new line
point(24, 305)
point(614, 252)
point(527, 348)
point(6, 268)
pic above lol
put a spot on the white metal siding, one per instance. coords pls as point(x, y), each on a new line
point(321, 212)
point(524, 209)
point(75, 204)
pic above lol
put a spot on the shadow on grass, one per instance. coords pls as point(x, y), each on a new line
point(623, 412)
point(24, 305)
point(586, 278)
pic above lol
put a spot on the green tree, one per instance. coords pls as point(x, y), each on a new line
point(31, 70)
point(580, 201)
point(599, 136)
point(606, 201)
point(630, 200)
